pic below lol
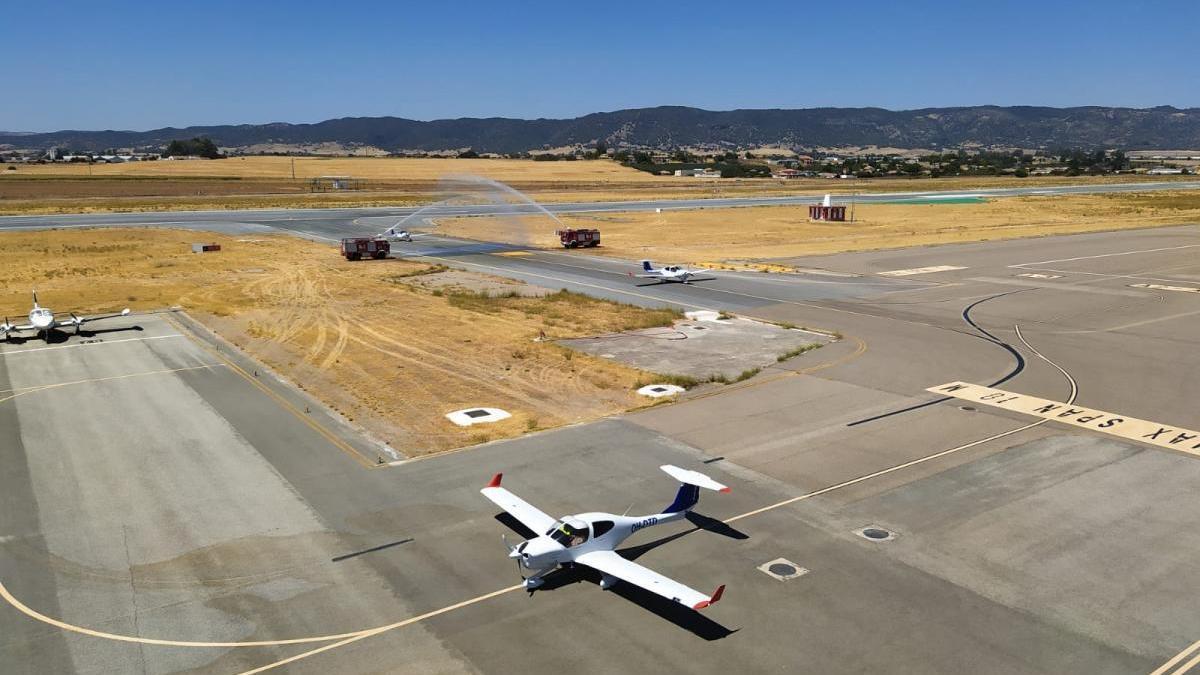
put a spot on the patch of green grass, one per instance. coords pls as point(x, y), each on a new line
point(685, 381)
point(791, 353)
point(747, 374)
point(573, 311)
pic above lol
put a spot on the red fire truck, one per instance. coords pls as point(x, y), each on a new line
point(354, 248)
point(579, 238)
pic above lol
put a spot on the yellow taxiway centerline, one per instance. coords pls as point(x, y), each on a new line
point(1161, 670)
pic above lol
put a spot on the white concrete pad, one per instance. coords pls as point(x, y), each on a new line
point(468, 416)
point(660, 390)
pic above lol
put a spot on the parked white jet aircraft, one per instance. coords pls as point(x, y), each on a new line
point(42, 320)
point(668, 273)
point(590, 539)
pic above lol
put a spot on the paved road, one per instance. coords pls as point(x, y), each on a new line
point(346, 217)
point(1022, 546)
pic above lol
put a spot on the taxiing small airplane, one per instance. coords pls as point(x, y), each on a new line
point(397, 233)
point(668, 273)
point(589, 539)
point(43, 321)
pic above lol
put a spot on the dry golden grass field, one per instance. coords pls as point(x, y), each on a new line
point(376, 340)
point(266, 182)
point(372, 168)
point(733, 235)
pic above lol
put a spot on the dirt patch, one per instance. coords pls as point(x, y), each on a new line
point(714, 350)
point(365, 337)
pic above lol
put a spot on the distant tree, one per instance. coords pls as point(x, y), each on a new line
point(642, 158)
point(1021, 172)
point(601, 148)
point(621, 156)
point(200, 146)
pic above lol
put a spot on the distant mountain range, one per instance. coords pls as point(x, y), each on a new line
point(674, 126)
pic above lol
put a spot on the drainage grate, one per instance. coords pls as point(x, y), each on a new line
point(782, 569)
point(658, 389)
point(875, 533)
point(475, 414)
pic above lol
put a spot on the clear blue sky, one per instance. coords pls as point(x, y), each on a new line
point(142, 65)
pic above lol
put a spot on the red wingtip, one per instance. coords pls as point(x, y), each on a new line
point(715, 597)
point(725, 489)
point(495, 480)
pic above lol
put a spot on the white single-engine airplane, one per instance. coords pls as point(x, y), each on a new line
point(397, 233)
point(668, 273)
point(42, 320)
point(589, 539)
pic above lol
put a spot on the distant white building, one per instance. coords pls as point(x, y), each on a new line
point(1164, 171)
point(698, 173)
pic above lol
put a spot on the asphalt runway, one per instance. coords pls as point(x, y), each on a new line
point(337, 223)
point(191, 506)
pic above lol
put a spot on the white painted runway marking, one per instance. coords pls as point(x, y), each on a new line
point(1161, 287)
point(1122, 426)
point(920, 270)
point(1035, 275)
point(1107, 255)
point(8, 353)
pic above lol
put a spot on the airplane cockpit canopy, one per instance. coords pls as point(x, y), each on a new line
point(569, 534)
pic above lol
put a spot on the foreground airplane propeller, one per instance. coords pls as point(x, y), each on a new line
point(42, 320)
point(590, 539)
point(669, 273)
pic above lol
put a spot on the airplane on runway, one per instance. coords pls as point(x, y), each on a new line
point(589, 539)
point(396, 233)
point(669, 273)
point(42, 320)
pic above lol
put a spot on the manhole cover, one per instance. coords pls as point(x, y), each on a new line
point(474, 414)
point(875, 533)
point(968, 408)
point(658, 389)
point(782, 569)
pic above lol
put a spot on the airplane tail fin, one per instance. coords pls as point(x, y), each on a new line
point(689, 490)
point(35, 302)
point(647, 266)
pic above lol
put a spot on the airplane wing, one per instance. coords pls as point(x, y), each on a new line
point(609, 562)
point(702, 269)
point(80, 320)
point(10, 328)
point(529, 515)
